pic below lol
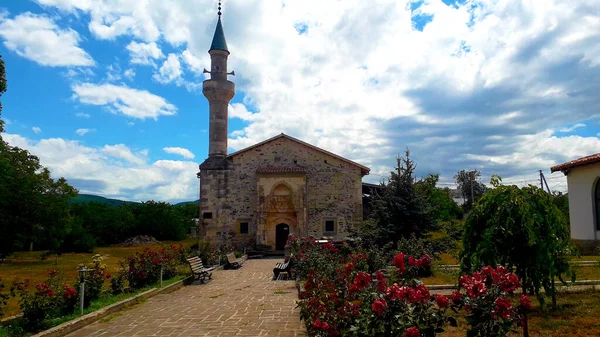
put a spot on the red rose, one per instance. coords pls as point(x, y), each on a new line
point(379, 306)
point(381, 284)
point(442, 301)
point(426, 260)
point(108, 276)
point(320, 325)
point(525, 302)
point(503, 307)
point(509, 282)
point(349, 268)
point(456, 296)
point(412, 332)
point(52, 272)
point(399, 262)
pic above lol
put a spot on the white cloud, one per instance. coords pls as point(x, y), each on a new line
point(123, 152)
point(129, 73)
point(83, 132)
point(170, 70)
point(130, 102)
point(180, 151)
point(572, 128)
point(39, 39)
point(36, 130)
point(363, 82)
point(101, 170)
point(82, 115)
point(144, 53)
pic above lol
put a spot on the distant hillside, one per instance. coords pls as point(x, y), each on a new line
point(83, 198)
point(187, 202)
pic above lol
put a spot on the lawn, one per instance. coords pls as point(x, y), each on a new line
point(28, 265)
point(577, 315)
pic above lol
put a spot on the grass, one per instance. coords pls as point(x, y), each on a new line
point(576, 316)
point(28, 265)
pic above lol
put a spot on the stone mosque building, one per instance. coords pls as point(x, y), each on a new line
point(272, 189)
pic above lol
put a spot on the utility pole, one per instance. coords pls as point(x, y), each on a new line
point(543, 181)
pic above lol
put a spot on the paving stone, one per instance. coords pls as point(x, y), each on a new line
point(243, 302)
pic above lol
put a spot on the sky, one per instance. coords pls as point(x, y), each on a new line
point(107, 93)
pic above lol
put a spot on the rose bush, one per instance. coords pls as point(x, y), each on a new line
point(49, 299)
point(485, 297)
point(94, 279)
point(358, 303)
point(3, 298)
point(142, 269)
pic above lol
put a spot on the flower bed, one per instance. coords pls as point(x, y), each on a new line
point(53, 301)
point(341, 296)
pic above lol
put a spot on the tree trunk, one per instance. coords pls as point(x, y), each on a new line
point(553, 294)
point(525, 323)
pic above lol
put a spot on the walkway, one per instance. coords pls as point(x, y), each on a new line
point(243, 302)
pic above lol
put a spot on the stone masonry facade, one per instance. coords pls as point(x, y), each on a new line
point(285, 182)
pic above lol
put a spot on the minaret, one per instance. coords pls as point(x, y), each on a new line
point(219, 91)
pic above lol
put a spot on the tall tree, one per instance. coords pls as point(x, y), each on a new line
point(438, 202)
point(399, 210)
point(470, 187)
point(519, 228)
point(33, 206)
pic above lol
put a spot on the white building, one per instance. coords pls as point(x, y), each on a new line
point(583, 179)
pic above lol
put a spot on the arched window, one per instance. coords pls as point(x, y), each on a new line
point(597, 203)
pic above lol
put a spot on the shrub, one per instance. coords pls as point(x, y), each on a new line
point(49, 299)
point(117, 284)
point(3, 298)
point(143, 269)
point(355, 303)
point(94, 279)
point(489, 311)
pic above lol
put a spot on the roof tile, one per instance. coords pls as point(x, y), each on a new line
point(595, 158)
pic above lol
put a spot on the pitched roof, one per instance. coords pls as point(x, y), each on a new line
point(218, 41)
point(595, 158)
point(364, 170)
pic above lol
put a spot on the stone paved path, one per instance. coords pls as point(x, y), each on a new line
point(243, 302)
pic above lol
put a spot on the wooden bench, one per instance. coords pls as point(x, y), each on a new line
point(282, 267)
point(232, 262)
point(199, 271)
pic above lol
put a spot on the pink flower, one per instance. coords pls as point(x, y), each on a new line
point(456, 296)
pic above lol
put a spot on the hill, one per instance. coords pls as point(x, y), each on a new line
point(84, 198)
point(187, 202)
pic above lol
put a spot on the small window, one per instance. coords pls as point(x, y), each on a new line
point(243, 228)
point(329, 225)
point(207, 215)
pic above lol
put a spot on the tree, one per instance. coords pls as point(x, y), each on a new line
point(399, 210)
point(161, 220)
point(518, 228)
point(470, 187)
point(33, 206)
point(439, 203)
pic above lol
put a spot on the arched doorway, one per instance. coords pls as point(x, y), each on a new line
point(281, 235)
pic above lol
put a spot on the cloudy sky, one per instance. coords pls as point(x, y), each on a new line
point(108, 92)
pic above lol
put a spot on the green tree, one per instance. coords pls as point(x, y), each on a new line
point(399, 210)
point(161, 220)
point(470, 187)
point(438, 202)
point(518, 228)
point(33, 206)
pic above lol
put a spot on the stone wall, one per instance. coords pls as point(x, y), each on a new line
point(328, 189)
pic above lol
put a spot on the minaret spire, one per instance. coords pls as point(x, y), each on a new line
point(219, 91)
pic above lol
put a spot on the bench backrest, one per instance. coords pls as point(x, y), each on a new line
point(195, 264)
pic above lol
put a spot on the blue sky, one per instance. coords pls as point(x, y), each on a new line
point(107, 93)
